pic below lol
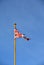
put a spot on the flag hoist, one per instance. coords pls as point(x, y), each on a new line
point(17, 34)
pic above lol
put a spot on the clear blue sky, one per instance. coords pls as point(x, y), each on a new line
point(29, 16)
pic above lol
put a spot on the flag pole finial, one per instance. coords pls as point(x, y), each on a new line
point(14, 25)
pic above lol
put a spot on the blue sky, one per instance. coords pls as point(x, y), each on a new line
point(29, 17)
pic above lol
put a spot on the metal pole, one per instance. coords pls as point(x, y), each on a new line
point(15, 47)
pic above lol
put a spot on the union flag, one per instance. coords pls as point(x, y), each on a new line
point(17, 34)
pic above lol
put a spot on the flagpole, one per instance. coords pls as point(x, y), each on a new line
point(15, 47)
